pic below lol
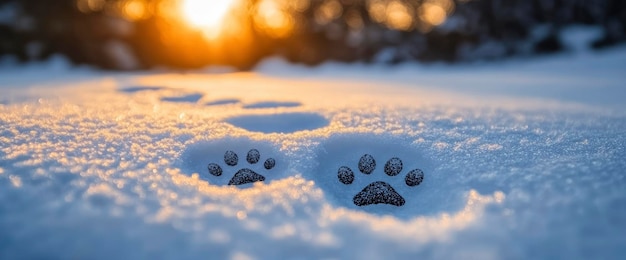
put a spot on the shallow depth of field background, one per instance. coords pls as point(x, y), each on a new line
point(143, 34)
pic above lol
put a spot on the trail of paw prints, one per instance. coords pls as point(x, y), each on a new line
point(279, 123)
point(255, 105)
point(272, 104)
point(379, 192)
point(166, 94)
point(222, 102)
point(176, 96)
point(184, 98)
point(136, 89)
point(285, 122)
point(243, 175)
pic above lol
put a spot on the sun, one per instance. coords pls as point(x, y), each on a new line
point(208, 15)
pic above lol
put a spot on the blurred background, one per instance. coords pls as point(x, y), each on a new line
point(185, 34)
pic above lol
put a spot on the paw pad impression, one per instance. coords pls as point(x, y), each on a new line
point(379, 192)
point(243, 175)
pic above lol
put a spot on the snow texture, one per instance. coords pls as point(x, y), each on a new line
point(520, 160)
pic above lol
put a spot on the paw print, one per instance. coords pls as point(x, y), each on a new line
point(379, 191)
point(244, 175)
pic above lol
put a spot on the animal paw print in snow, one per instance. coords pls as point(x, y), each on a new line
point(379, 191)
point(244, 175)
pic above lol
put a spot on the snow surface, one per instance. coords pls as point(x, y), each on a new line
point(522, 159)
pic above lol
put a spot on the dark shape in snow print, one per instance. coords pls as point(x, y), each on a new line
point(379, 192)
point(243, 175)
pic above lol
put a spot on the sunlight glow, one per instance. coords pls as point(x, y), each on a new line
point(328, 11)
point(134, 10)
point(376, 9)
point(272, 19)
point(208, 15)
point(398, 16)
point(87, 6)
point(433, 14)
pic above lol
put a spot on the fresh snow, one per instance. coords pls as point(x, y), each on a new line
point(522, 159)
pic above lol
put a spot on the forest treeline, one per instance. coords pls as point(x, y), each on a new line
point(139, 34)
